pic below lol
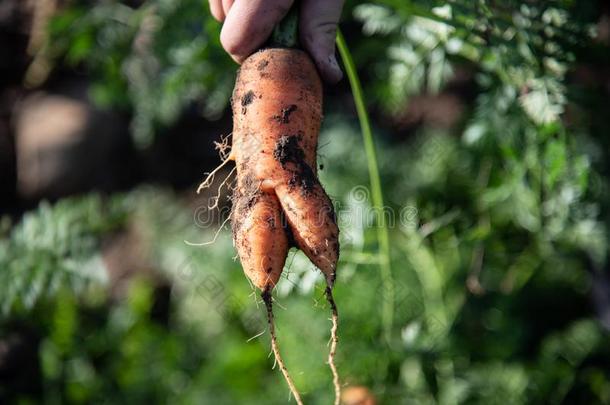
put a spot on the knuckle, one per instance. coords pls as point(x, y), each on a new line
point(231, 44)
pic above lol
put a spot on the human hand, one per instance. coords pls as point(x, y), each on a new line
point(248, 24)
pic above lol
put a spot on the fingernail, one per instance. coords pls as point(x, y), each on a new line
point(334, 71)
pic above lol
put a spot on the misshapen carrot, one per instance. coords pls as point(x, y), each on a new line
point(277, 111)
point(279, 201)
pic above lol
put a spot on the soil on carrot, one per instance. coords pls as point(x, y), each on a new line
point(244, 198)
point(247, 100)
point(284, 117)
point(289, 154)
point(262, 65)
point(287, 149)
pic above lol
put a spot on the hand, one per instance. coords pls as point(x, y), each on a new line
point(248, 24)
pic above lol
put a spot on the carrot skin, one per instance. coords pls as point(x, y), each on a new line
point(260, 238)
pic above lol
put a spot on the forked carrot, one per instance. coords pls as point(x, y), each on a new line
point(279, 202)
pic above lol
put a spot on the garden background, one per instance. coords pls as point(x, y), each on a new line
point(490, 121)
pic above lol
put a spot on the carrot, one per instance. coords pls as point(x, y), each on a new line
point(277, 110)
point(279, 202)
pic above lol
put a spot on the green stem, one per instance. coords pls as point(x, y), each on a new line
point(286, 32)
point(383, 236)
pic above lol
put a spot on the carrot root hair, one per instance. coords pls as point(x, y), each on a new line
point(334, 340)
point(226, 154)
point(268, 299)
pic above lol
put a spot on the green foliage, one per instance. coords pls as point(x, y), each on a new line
point(53, 248)
point(527, 47)
point(447, 345)
point(147, 362)
point(155, 59)
point(495, 226)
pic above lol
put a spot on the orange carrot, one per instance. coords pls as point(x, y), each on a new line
point(277, 111)
point(278, 201)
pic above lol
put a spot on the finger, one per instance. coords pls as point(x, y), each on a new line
point(217, 10)
point(248, 25)
point(318, 29)
point(226, 6)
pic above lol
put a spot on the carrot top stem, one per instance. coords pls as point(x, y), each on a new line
point(383, 237)
point(286, 32)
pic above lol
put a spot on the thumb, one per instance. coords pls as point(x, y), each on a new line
point(318, 28)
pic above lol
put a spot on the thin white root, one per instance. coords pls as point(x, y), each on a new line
point(334, 340)
point(256, 336)
point(223, 148)
point(211, 241)
point(266, 295)
point(214, 200)
point(210, 177)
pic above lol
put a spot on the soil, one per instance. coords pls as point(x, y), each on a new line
point(284, 117)
point(289, 154)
